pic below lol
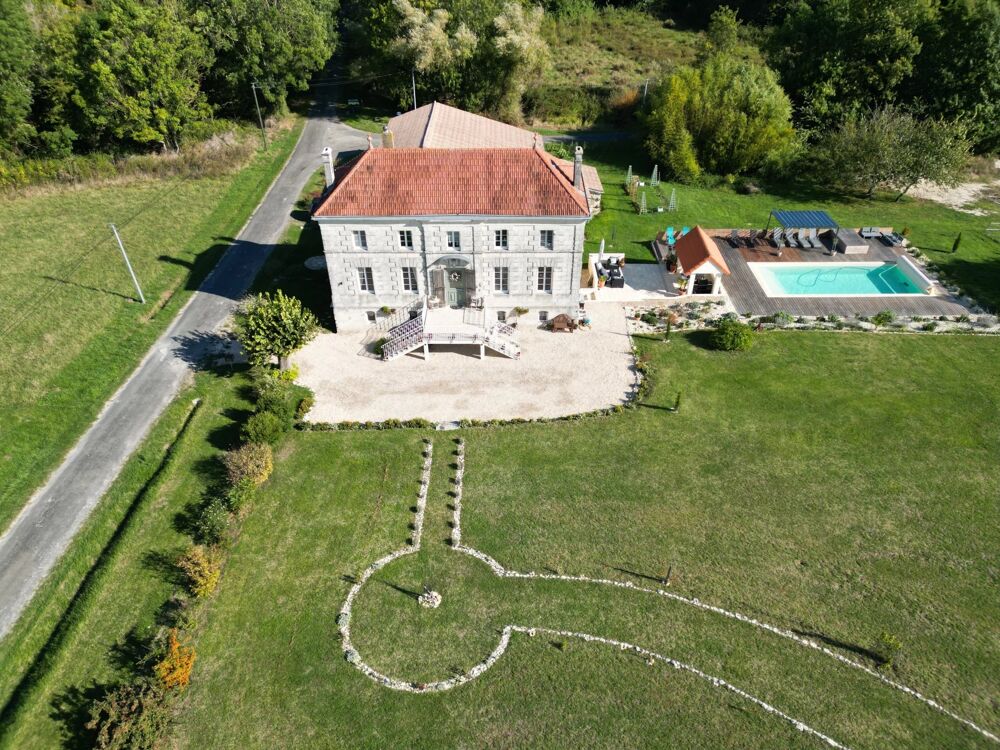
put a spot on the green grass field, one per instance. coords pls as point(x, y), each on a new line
point(841, 507)
point(934, 227)
point(614, 47)
point(70, 328)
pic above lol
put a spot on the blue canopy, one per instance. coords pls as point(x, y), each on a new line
point(804, 219)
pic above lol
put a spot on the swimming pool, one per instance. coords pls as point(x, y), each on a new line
point(833, 279)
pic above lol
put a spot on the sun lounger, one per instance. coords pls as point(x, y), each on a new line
point(670, 236)
point(779, 237)
point(734, 238)
point(815, 240)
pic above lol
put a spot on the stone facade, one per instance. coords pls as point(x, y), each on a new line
point(463, 275)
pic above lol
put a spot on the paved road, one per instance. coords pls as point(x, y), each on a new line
point(45, 527)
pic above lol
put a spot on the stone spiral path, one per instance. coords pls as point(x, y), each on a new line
point(650, 656)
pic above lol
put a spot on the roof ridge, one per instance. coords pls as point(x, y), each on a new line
point(427, 125)
point(575, 194)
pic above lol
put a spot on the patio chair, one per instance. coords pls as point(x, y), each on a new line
point(685, 230)
point(734, 238)
point(751, 239)
point(795, 239)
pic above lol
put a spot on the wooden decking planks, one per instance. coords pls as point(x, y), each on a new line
point(749, 299)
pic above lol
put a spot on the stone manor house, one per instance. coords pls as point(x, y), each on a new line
point(455, 212)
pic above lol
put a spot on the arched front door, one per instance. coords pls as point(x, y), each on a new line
point(453, 281)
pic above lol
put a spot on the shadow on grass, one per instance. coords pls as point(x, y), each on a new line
point(843, 645)
point(71, 709)
point(164, 565)
point(644, 576)
point(128, 297)
point(702, 339)
point(401, 589)
point(68, 704)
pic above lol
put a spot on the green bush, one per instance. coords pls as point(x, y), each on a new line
point(305, 404)
point(887, 647)
point(264, 427)
point(278, 399)
point(212, 521)
point(239, 495)
point(732, 336)
point(131, 716)
point(379, 346)
point(253, 461)
point(883, 318)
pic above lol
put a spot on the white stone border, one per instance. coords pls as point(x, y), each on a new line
point(354, 658)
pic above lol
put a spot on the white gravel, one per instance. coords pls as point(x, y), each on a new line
point(557, 374)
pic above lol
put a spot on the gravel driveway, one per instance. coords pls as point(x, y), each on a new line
point(557, 374)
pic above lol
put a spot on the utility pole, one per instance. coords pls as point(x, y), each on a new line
point(645, 88)
point(413, 80)
point(263, 133)
point(128, 265)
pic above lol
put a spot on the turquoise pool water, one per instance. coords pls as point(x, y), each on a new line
point(820, 279)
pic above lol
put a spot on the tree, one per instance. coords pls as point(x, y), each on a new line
point(274, 326)
point(728, 116)
point(141, 67)
point(17, 54)
point(889, 148)
point(277, 43)
point(957, 73)
point(836, 57)
point(522, 53)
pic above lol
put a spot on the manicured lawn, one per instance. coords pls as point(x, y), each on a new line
point(71, 331)
point(840, 485)
point(976, 266)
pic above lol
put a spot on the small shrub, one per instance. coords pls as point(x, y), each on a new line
point(253, 461)
point(305, 404)
point(289, 375)
point(174, 669)
point(883, 318)
point(963, 318)
point(131, 716)
point(379, 346)
point(833, 318)
point(649, 318)
point(887, 647)
point(279, 401)
point(212, 522)
point(930, 325)
point(732, 336)
point(239, 495)
point(781, 318)
point(666, 333)
point(264, 427)
point(202, 567)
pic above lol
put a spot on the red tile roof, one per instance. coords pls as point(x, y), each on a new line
point(695, 248)
point(453, 182)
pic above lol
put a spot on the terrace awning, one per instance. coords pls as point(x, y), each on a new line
point(804, 219)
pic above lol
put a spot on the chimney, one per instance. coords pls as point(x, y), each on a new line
point(327, 154)
point(388, 139)
point(578, 168)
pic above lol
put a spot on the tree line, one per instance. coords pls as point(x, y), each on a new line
point(864, 96)
point(125, 75)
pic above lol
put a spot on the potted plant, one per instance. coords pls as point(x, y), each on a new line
point(682, 284)
point(518, 312)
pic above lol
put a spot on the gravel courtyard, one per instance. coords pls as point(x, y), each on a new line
point(558, 373)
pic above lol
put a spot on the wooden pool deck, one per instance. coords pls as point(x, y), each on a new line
point(749, 298)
